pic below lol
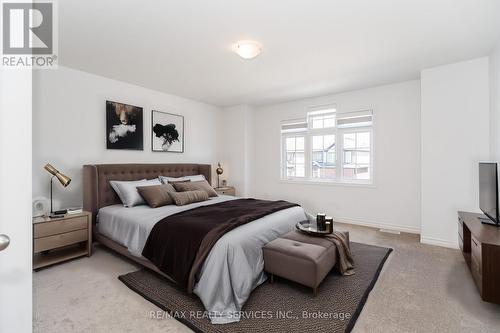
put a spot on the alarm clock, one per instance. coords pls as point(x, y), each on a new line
point(41, 206)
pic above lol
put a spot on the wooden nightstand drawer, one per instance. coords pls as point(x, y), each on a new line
point(45, 229)
point(52, 242)
point(225, 190)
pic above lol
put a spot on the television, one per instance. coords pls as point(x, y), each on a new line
point(488, 193)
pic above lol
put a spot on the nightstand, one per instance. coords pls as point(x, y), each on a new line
point(228, 190)
point(61, 239)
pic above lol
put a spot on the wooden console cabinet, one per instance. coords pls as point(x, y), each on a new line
point(480, 245)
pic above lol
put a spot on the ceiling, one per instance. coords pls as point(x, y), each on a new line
point(310, 47)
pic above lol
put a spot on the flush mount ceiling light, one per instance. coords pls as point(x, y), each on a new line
point(247, 49)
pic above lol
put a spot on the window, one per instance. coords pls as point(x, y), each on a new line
point(323, 157)
point(328, 146)
point(293, 147)
point(356, 150)
point(295, 156)
point(323, 119)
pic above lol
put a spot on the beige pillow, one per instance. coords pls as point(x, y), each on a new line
point(157, 196)
point(127, 190)
point(201, 185)
point(187, 197)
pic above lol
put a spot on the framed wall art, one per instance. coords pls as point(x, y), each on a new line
point(167, 134)
point(124, 126)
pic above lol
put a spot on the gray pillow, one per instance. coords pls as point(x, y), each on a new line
point(184, 198)
point(166, 180)
point(157, 195)
point(194, 186)
point(127, 190)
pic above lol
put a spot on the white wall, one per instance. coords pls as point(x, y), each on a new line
point(495, 103)
point(69, 128)
point(455, 137)
point(236, 148)
point(394, 201)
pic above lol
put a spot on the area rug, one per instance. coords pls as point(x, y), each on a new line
point(280, 307)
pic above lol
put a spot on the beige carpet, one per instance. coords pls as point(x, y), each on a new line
point(422, 288)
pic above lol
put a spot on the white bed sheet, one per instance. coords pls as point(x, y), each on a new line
point(234, 266)
point(131, 226)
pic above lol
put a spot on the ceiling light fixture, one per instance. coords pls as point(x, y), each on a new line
point(247, 49)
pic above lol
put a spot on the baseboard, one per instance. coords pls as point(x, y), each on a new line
point(411, 230)
point(378, 225)
point(438, 242)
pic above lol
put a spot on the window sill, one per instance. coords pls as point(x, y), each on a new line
point(327, 183)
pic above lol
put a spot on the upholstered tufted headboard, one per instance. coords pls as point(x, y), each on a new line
point(97, 191)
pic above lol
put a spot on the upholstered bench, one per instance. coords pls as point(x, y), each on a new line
point(300, 258)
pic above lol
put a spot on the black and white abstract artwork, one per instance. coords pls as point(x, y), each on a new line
point(124, 126)
point(167, 132)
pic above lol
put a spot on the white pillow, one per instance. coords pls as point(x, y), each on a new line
point(127, 190)
point(194, 178)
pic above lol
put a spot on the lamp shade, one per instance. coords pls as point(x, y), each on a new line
point(219, 169)
point(63, 179)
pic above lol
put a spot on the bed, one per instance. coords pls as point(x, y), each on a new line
point(233, 267)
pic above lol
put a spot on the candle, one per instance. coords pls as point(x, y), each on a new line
point(320, 221)
point(329, 224)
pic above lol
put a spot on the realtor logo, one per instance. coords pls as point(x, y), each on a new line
point(28, 37)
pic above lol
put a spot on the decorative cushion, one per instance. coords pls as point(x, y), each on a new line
point(157, 195)
point(202, 185)
point(127, 190)
point(187, 197)
point(195, 178)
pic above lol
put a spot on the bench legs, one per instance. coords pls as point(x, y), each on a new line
point(315, 291)
point(272, 278)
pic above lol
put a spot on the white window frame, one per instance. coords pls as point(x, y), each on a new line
point(319, 132)
point(284, 152)
point(340, 159)
point(339, 155)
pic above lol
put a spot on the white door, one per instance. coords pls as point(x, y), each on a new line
point(15, 201)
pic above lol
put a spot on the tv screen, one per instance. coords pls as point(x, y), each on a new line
point(488, 190)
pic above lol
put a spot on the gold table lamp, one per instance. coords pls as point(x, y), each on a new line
point(63, 179)
point(219, 172)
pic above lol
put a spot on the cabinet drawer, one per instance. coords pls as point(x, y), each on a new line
point(52, 242)
point(476, 250)
point(476, 271)
point(460, 228)
point(227, 192)
point(45, 229)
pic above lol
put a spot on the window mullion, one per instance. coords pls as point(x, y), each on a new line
point(284, 174)
point(340, 154)
point(308, 155)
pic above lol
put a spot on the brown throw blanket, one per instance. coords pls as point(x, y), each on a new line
point(179, 243)
point(345, 262)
